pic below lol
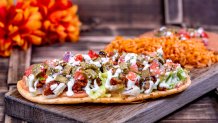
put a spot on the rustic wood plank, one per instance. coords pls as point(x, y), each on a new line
point(41, 54)
point(57, 50)
point(173, 11)
point(200, 12)
point(128, 11)
point(12, 87)
point(9, 119)
point(133, 31)
point(19, 60)
point(3, 84)
point(2, 97)
point(77, 47)
point(97, 31)
point(204, 108)
point(112, 30)
point(3, 74)
point(129, 112)
point(4, 64)
point(189, 121)
point(1, 113)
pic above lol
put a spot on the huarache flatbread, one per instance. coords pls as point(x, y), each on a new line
point(69, 100)
point(103, 78)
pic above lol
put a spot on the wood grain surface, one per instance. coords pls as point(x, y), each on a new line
point(19, 60)
point(118, 11)
point(3, 84)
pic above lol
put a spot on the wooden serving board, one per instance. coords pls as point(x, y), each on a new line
point(203, 81)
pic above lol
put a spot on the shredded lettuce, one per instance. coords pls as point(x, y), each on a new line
point(97, 91)
point(103, 77)
point(169, 77)
point(171, 80)
point(100, 92)
point(181, 74)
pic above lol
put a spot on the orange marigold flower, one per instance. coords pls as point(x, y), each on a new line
point(5, 43)
point(29, 21)
point(25, 25)
point(20, 25)
point(60, 21)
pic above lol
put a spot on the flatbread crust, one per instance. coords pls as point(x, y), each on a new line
point(125, 99)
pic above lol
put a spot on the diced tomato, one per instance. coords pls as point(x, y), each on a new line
point(39, 85)
point(79, 57)
point(28, 71)
point(204, 35)
point(78, 86)
point(205, 41)
point(137, 83)
point(154, 65)
point(80, 81)
point(183, 33)
point(92, 54)
point(134, 68)
point(132, 76)
point(121, 59)
point(115, 63)
point(47, 90)
point(79, 76)
point(115, 81)
point(156, 71)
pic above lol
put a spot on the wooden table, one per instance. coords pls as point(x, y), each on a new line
point(204, 109)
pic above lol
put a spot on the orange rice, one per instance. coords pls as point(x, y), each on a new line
point(189, 53)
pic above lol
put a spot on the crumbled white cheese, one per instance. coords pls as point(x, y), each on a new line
point(132, 57)
point(30, 80)
point(146, 65)
point(149, 90)
point(73, 62)
point(164, 85)
point(51, 78)
point(69, 86)
point(104, 60)
point(133, 92)
point(59, 67)
point(53, 86)
point(98, 64)
point(109, 76)
point(115, 56)
point(59, 89)
point(87, 58)
point(160, 51)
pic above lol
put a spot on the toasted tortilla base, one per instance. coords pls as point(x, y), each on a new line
point(125, 99)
